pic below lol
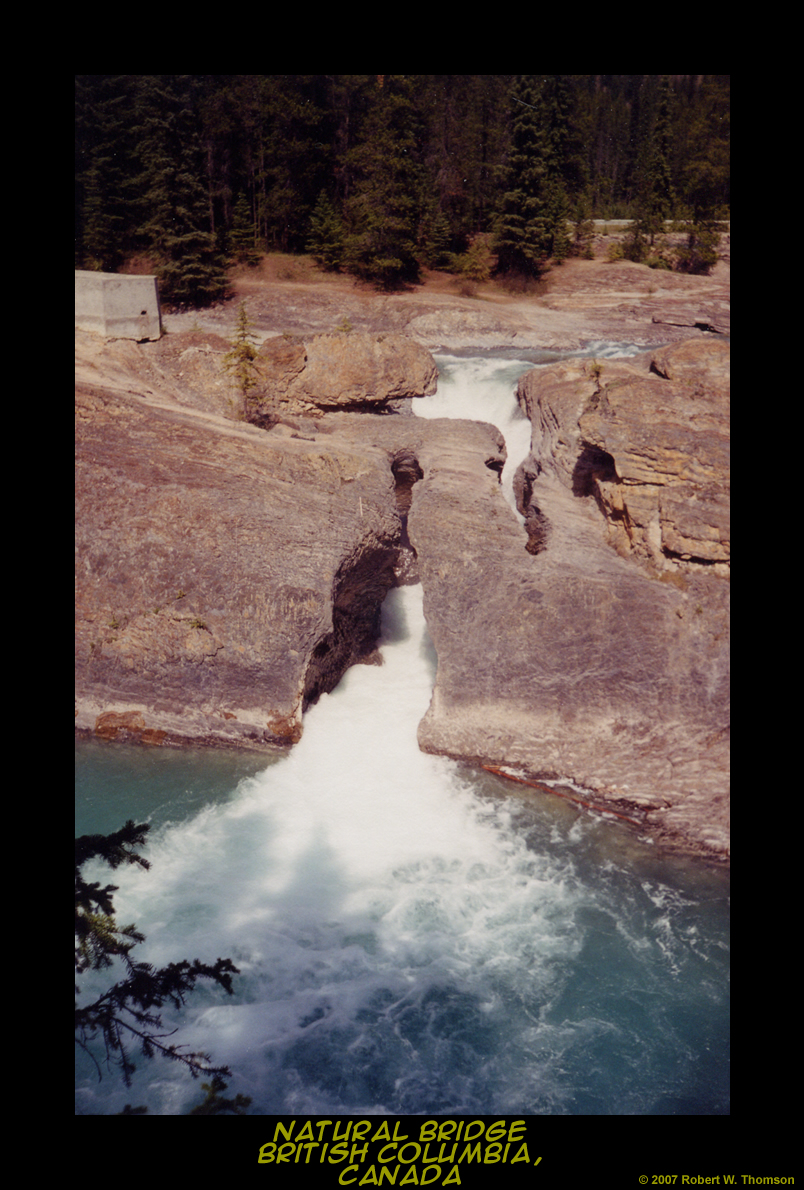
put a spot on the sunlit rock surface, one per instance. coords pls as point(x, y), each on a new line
point(227, 574)
point(597, 650)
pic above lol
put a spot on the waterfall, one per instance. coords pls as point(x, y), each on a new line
point(412, 937)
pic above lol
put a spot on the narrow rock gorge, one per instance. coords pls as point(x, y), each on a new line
point(232, 558)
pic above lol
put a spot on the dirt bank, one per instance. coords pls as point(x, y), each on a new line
point(579, 302)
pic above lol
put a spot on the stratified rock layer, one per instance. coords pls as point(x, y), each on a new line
point(227, 576)
point(648, 440)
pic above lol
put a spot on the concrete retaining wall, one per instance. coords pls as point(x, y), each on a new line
point(118, 306)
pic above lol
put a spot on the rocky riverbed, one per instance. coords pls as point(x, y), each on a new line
point(232, 556)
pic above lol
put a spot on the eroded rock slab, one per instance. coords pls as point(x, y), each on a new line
point(227, 576)
point(224, 577)
point(576, 664)
point(594, 646)
point(649, 441)
point(342, 370)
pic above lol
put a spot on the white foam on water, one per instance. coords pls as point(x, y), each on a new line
point(484, 390)
point(350, 883)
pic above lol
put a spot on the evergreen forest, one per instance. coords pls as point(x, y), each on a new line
point(380, 176)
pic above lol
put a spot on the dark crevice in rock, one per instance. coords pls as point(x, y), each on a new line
point(677, 556)
point(538, 528)
point(406, 472)
point(537, 525)
point(360, 587)
point(593, 464)
point(391, 406)
point(359, 590)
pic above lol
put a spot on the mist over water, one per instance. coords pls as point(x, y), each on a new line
point(412, 936)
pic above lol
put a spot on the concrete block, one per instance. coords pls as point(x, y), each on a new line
point(117, 305)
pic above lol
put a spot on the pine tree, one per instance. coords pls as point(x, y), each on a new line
point(326, 239)
point(293, 156)
point(125, 1014)
point(105, 170)
point(383, 211)
point(565, 171)
point(438, 242)
point(162, 160)
point(653, 189)
point(175, 223)
point(465, 137)
point(241, 236)
point(239, 360)
point(706, 177)
point(521, 234)
point(532, 227)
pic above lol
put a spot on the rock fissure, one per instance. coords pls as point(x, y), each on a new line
point(359, 589)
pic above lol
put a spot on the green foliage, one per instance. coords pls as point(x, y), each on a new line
point(216, 1104)
point(520, 239)
point(174, 202)
point(180, 167)
point(98, 938)
point(383, 213)
point(583, 230)
point(706, 166)
point(438, 242)
point(239, 360)
point(653, 189)
point(699, 254)
point(473, 264)
point(532, 227)
point(287, 151)
point(106, 171)
point(241, 236)
point(635, 244)
point(326, 239)
point(127, 1013)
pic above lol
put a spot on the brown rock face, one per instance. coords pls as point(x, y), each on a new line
point(343, 370)
point(216, 564)
point(651, 447)
point(227, 576)
point(596, 649)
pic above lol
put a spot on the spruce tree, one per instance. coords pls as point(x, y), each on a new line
point(544, 167)
point(239, 360)
point(383, 212)
point(706, 177)
point(653, 189)
point(175, 211)
point(326, 239)
point(125, 1015)
point(241, 236)
point(106, 168)
point(521, 233)
point(292, 154)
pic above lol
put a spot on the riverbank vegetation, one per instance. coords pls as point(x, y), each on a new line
point(379, 176)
